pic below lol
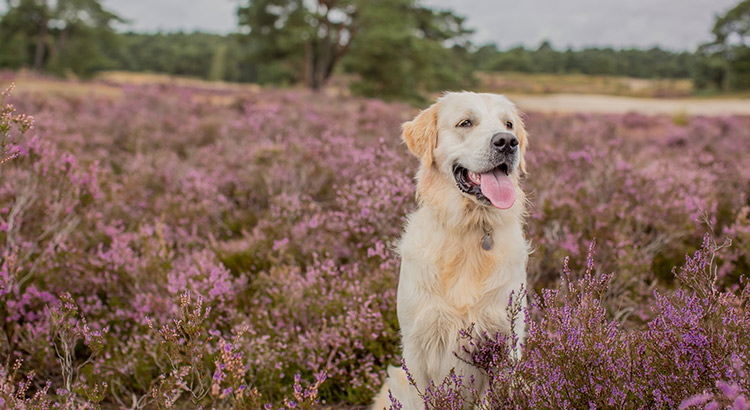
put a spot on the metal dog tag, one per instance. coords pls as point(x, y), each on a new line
point(487, 242)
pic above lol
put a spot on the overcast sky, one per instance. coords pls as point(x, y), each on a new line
point(672, 24)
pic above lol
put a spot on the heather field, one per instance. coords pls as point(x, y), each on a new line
point(181, 246)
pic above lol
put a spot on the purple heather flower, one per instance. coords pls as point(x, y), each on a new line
point(696, 400)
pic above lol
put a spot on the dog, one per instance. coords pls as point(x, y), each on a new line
point(463, 251)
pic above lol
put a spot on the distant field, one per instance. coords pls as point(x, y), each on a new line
point(532, 92)
point(109, 82)
point(524, 83)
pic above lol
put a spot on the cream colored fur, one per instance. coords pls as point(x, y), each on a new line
point(447, 281)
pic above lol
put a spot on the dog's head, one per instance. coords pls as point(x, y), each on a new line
point(475, 141)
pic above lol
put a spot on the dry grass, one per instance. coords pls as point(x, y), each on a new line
point(524, 83)
point(125, 77)
point(109, 83)
point(532, 92)
point(31, 83)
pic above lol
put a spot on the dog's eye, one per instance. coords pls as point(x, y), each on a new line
point(465, 124)
point(509, 125)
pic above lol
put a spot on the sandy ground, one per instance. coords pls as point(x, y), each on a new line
point(567, 103)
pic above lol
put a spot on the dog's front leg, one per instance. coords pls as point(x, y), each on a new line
point(427, 333)
point(430, 337)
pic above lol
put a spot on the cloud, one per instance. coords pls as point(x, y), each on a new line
point(677, 25)
point(671, 24)
point(170, 15)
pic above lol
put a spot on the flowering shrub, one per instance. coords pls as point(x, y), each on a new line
point(12, 127)
point(692, 352)
point(730, 395)
point(184, 247)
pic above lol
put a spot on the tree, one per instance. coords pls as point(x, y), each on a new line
point(405, 50)
point(394, 46)
point(651, 63)
point(732, 45)
point(62, 34)
point(312, 36)
point(734, 26)
point(196, 54)
point(515, 59)
point(548, 60)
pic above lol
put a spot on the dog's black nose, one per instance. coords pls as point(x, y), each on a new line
point(504, 141)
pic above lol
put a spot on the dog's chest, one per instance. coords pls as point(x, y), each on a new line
point(463, 273)
point(448, 281)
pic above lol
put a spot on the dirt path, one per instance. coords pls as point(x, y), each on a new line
point(615, 105)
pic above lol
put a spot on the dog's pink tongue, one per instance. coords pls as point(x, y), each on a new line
point(498, 188)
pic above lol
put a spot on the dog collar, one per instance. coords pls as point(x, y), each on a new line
point(487, 241)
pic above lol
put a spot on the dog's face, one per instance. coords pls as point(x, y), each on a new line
point(477, 140)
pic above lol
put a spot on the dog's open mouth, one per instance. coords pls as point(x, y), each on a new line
point(492, 187)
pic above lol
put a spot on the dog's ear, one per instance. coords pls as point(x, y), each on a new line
point(420, 134)
point(523, 138)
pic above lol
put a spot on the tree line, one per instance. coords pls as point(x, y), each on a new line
point(389, 48)
point(651, 63)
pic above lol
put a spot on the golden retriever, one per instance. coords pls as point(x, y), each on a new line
point(463, 251)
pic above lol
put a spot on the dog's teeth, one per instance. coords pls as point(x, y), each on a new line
point(475, 178)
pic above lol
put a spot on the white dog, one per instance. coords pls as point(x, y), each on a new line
point(463, 251)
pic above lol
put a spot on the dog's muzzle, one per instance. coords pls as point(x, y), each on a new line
point(492, 185)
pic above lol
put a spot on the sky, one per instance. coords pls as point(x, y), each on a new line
point(671, 24)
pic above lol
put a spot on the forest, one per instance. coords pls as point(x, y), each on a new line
point(394, 49)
